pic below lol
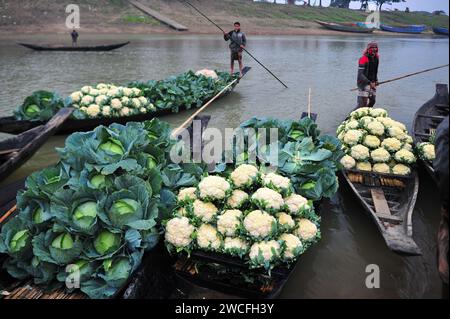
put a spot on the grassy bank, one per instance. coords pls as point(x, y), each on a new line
point(119, 16)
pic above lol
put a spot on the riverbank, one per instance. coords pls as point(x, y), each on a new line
point(119, 16)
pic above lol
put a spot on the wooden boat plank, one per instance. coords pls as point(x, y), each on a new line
point(433, 117)
point(380, 203)
point(30, 142)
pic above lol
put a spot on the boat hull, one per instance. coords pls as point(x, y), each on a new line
point(440, 31)
point(344, 27)
point(413, 29)
point(427, 119)
point(74, 48)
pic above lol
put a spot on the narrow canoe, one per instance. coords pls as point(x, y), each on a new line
point(389, 200)
point(428, 117)
point(413, 29)
point(17, 150)
point(344, 27)
point(440, 31)
point(12, 126)
point(109, 47)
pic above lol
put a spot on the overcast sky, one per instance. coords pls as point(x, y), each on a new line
point(414, 5)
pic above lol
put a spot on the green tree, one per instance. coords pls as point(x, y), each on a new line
point(381, 2)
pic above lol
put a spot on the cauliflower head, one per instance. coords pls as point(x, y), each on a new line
point(360, 112)
point(401, 169)
point(259, 224)
point(276, 182)
point(228, 223)
point(378, 112)
point(265, 252)
point(391, 144)
point(204, 211)
point(296, 204)
point(359, 152)
point(353, 137)
point(293, 246)
point(235, 246)
point(187, 194)
point(244, 175)
point(380, 155)
point(267, 198)
point(381, 168)
point(426, 151)
point(213, 188)
point(348, 162)
point(237, 199)
point(285, 221)
point(306, 229)
point(375, 128)
point(405, 157)
point(179, 232)
point(208, 237)
point(364, 166)
point(371, 141)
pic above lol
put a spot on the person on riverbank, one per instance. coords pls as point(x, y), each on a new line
point(238, 41)
point(74, 36)
point(367, 79)
point(441, 171)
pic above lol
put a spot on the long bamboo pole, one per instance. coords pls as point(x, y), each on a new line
point(407, 75)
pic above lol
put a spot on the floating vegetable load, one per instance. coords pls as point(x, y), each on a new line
point(374, 142)
point(250, 213)
point(97, 210)
point(184, 91)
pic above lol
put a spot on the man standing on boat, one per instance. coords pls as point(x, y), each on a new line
point(441, 171)
point(74, 36)
point(238, 41)
point(368, 76)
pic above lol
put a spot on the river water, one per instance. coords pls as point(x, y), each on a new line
point(336, 267)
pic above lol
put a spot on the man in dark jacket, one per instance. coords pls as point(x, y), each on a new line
point(238, 41)
point(74, 36)
point(441, 171)
point(368, 76)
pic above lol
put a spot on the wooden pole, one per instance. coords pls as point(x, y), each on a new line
point(189, 120)
point(309, 103)
point(407, 75)
point(9, 212)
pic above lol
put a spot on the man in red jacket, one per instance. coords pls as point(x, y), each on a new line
point(368, 76)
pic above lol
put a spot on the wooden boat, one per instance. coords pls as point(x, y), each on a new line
point(108, 47)
point(18, 149)
point(413, 29)
point(440, 30)
point(12, 126)
point(428, 117)
point(344, 27)
point(389, 199)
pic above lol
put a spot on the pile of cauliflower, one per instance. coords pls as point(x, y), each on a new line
point(207, 73)
point(107, 100)
point(374, 142)
point(250, 213)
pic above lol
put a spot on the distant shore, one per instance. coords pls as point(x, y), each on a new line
point(29, 17)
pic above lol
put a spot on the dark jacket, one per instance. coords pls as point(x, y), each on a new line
point(440, 164)
point(367, 70)
point(237, 39)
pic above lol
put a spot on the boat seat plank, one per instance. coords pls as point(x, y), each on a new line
point(390, 218)
point(5, 152)
point(380, 202)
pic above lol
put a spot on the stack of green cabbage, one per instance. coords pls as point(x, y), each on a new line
point(375, 142)
point(39, 106)
point(251, 213)
point(106, 100)
point(310, 159)
point(90, 218)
